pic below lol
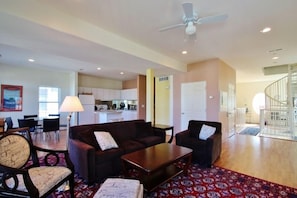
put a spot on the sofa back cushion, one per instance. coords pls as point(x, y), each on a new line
point(144, 129)
point(195, 126)
point(120, 131)
point(125, 130)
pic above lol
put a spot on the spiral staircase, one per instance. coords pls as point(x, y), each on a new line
point(279, 118)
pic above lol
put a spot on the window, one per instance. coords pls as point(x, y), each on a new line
point(259, 102)
point(49, 98)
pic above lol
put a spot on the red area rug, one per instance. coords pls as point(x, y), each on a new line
point(210, 182)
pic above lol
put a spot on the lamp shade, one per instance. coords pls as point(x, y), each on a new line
point(71, 104)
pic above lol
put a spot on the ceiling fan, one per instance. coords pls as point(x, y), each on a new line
point(190, 19)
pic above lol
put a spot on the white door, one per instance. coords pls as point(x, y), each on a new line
point(193, 102)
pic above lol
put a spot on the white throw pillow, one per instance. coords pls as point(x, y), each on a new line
point(105, 140)
point(206, 131)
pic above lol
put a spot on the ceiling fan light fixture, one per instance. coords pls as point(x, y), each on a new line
point(191, 28)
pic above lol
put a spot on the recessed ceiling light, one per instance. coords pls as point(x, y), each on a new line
point(31, 60)
point(98, 68)
point(275, 57)
point(265, 30)
point(184, 52)
point(122, 73)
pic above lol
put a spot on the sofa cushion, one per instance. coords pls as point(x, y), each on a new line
point(195, 144)
point(131, 146)
point(105, 140)
point(150, 140)
point(144, 129)
point(194, 129)
point(44, 178)
point(206, 131)
point(123, 131)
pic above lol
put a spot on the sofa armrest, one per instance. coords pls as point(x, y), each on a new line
point(215, 146)
point(160, 133)
point(182, 136)
point(82, 156)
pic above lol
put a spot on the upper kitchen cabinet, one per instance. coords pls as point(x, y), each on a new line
point(109, 94)
point(85, 90)
point(106, 94)
point(98, 93)
point(129, 94)
point(112, 94)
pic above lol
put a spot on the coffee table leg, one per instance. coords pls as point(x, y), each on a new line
point(186, 167)
point(125, 169)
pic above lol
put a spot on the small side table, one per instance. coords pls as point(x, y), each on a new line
point(164, 128)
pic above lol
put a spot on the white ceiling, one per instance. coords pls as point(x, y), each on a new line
point(123, 35)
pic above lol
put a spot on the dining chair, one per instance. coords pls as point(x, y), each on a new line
point(9, 123)
point(25, 173)
point(54, 115)
point(38, 126)
point(51, 125)
point(31, 116)
point(31, 123)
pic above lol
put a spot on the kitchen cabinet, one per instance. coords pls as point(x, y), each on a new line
point(109, 94)
point(109, 116)
point(104, 94)
point(129, 94)
point(112, 94)
point(129, 115)
point(85, 90)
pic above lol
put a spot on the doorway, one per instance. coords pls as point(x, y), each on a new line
point(193, 102)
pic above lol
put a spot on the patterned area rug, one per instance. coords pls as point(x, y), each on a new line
point(210, 182)
point(250, 131)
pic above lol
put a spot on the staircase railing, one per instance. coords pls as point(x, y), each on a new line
point(279, 116)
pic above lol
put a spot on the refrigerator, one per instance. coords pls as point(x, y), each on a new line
point(88, 115)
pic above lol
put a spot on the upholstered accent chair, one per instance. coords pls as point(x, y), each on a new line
point(24, 174)
point(205, 138)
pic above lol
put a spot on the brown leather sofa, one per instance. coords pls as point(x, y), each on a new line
point(205, 152)
point(93, 164)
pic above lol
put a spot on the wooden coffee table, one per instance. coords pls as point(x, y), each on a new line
point(156, 163)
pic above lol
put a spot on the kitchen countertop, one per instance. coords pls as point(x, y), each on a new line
point(110, 111)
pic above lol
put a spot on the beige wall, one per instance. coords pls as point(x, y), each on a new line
point(162, 101)
point(217, 75)
point(227, 75)
point(130, 84)
point(245, 92)
point(96, 82)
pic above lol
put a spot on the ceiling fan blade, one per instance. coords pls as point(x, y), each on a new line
point(212, 19)
point(188, 10)
point(171, 27)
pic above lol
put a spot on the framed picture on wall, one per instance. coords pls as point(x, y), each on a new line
point(11, 98)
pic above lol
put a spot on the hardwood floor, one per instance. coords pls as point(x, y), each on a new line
point(265, 158)
point(270, 159)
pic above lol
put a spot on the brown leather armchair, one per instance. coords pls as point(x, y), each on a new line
point(205, 152)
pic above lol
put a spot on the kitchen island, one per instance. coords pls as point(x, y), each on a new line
point(109, 116)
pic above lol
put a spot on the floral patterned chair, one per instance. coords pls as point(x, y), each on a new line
point(24, 174)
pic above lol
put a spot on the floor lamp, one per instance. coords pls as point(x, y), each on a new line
point(70, 104)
